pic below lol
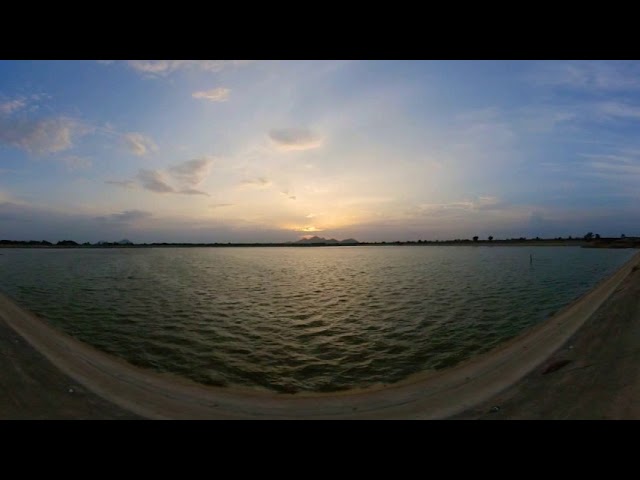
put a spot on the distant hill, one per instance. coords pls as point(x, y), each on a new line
point(325, 241)
point(67, 243)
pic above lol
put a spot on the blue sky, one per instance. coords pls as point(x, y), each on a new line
point(219, 151)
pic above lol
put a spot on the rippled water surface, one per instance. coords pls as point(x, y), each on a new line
point(300, 319)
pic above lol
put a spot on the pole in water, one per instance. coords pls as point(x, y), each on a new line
point(531, 259)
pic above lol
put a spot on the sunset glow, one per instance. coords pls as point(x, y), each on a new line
point(263, 151)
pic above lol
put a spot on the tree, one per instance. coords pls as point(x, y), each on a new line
point(622, 235)
point(490, 237)
point(588, 236)
point(597, 236)
point(475, 239)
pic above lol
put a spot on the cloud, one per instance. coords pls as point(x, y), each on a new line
point(483, 202)
point(614, 109)
point(487, 202)
point(127, 217)
point(192, 172)
point(219, 94)
point(154, 180)
point(287, 194)
point(589, 75)
point(443, 208)
point(485, 127)
point(139, 144)
point(77, 163)
point(308, 229)
point(480, 115)
point(220, 205)
point(39, 135)
point(192, 191)
point(121, 183)
point(8, 107)
point(187, 175)
point(167, 67)
point(624, 170)
point(545, 118)
point(260, 182)
point(7, 198)
point(33, 222)
point(36, 135)
point(288, 139)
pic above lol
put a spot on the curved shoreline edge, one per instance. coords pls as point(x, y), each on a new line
point(431, 395)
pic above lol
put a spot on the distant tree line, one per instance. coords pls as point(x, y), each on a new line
point(30, 242)
point(589, 238)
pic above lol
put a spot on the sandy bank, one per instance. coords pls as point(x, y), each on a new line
point(123, 388)
point(594, 375)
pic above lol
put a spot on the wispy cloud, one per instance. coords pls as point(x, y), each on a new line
point(30, 222)
point(589, 75)
point(487, 202)
point(139, 144)
point(192, 191)
point(186, 175)
point(545, 118)
point(126, 217)
point(154, 180)
point(619, 169)
point(261, 182)
point(619, 166)
point(75, 162)
point(483, 202)
point(167, 67)
point(121, 183)
point(487, 127)
point(10, 106)
point(618, 109)
point(36, 134)
point(192, 172)
point(288, 194)
point(220, 205)
point(40, 135)
point(288, 139)
point(309, 229)
point(219, 94)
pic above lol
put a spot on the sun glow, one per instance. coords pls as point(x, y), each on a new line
point(310, 228)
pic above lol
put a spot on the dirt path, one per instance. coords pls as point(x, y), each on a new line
point(595, 375)
point(31, 387)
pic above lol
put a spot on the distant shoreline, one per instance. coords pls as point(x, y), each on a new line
point(448, 243)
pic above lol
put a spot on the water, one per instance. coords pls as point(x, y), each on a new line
point(300, 319)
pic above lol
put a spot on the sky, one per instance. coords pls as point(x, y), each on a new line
point(273, 151)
